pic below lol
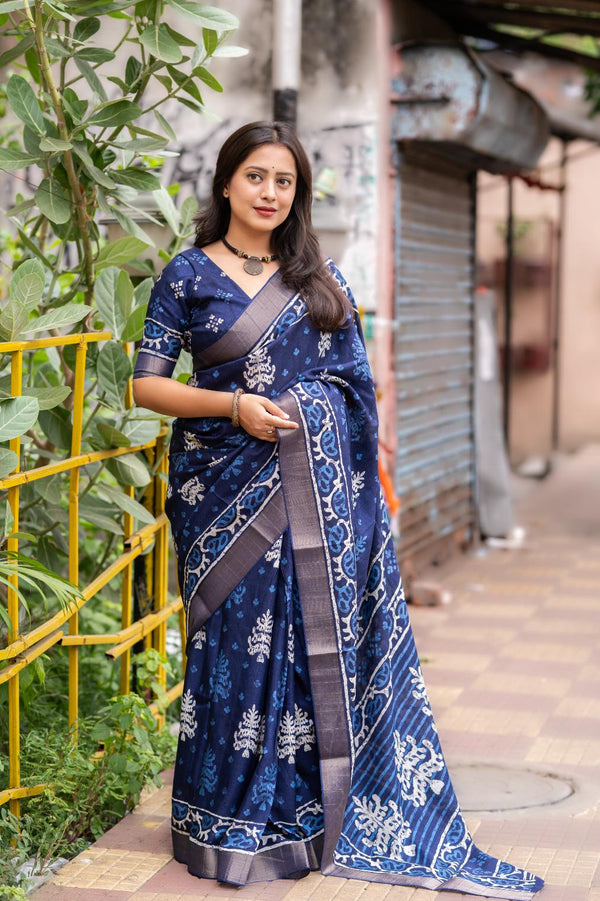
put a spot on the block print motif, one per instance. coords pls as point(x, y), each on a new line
point(213, 323)
point(383, 826)
point(259, 640)
point(187, 723)
point(296, 731)
point(273, 555)
point(419, 691)
point(260, 371)
point(417, 766)
point(199, 639)
point(324, 343)
point(192, 491)
point(248, 736)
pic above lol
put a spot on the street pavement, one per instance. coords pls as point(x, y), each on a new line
point(512, 665)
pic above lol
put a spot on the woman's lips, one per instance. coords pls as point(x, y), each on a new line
point(265, 211)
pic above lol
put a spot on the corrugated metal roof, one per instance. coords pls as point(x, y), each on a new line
point(525, 25)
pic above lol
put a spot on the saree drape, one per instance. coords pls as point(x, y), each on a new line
point(306, 736)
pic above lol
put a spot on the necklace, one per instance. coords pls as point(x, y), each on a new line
point(252, 265)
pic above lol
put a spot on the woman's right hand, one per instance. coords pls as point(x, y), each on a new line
point(261, 417)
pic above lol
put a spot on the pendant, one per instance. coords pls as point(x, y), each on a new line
point(253, 266)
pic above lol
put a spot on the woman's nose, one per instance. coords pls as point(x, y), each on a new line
point(268, 188)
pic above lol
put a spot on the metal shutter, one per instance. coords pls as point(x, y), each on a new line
point(434, 255)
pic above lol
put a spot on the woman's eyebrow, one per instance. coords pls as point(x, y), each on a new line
point(262, 169)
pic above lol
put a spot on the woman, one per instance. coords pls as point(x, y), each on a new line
point(306, 735)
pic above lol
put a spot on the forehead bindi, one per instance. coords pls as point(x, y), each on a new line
point(271, 158)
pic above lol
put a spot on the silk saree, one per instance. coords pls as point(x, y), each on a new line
point(306, 739)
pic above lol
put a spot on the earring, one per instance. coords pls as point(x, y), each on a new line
point(225, 192)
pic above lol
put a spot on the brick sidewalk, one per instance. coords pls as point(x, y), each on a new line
point(513, 670)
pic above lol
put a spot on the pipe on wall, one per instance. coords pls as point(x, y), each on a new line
point(287, 45)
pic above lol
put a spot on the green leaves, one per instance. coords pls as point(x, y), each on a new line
point(16, 158)
point(53, 201)
point(17, 415)
point(129, 470)
point(141, 427)
point(54, 145)
point(113, 369)
point(8, 461)
point(115, 296)
point(25, 104)
point(85, 29)
point(127, 504)
point(58, 318)
point(56, 424)
point(121, 251)
point(158, 41)
point(134, 326)
point(115, 112)
point(48, 398)
point(136, 178)
point(13, 319)
point(207, 16)
point(9, 6)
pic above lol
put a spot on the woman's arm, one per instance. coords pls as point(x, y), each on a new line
point(172, 398)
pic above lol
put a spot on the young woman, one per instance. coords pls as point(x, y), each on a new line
point(306, 735)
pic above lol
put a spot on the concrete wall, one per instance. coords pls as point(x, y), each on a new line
point(337, 120)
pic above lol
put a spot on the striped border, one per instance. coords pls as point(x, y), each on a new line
point(241, 337)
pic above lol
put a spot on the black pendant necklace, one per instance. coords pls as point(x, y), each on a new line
point(252, 265)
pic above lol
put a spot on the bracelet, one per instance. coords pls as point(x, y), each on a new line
point(235, 412)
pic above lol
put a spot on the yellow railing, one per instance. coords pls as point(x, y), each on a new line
point(62, 628)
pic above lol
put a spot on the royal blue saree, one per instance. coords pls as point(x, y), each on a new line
point(306, 736)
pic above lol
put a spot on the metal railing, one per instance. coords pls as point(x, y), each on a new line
point(62, 628)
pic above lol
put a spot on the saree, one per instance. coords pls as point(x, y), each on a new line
point(306, 736)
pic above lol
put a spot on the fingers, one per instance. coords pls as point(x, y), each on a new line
point(261, 418)
point(272, 408)
point(275, 422)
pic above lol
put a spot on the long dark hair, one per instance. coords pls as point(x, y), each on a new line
point(294, 241)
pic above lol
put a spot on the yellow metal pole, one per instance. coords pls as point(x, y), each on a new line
point(150, 558)
point(14, 712)
point(161, 573)
point(183, 636)
point(127, 577)
point(78, 396)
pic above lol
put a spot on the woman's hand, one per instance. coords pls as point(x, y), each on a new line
point(260, 417)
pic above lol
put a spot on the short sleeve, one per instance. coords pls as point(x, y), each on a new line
point(167, 320)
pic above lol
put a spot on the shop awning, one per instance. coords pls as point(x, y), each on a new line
point(562, 29)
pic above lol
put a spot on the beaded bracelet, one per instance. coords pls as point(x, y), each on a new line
point(235, 412)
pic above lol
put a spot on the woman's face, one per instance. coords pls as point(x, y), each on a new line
point(262, 189)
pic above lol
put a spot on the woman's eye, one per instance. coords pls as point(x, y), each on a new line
point(253, 176)
point(285, 182)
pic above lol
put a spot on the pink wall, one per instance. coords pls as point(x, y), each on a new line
point(579, 327)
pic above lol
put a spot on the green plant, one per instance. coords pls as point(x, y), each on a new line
point(87, 790)
point(148, 665)
point(89, 85)
point(37, 578)
point(86, 82)
point(12, 893)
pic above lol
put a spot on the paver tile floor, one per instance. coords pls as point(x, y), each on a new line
point(513, 669)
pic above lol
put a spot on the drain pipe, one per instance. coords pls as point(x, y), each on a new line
point(287, 43)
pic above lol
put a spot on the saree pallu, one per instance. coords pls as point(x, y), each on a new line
point(307, 739)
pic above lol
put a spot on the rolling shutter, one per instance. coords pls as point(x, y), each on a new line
point(434, 253)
